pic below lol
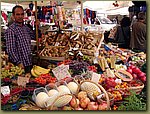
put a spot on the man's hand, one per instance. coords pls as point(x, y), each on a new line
point(21, 65)
point(28, 75)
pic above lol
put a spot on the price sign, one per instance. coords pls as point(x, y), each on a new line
point(67, 66)
point(5, 90)
point(95, 77)
point(22, 81)
point(61, 72)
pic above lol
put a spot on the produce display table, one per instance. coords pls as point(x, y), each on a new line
point(80, 68)
point(117, 81)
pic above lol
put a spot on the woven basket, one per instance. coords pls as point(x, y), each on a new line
point(111, 99)
point(61, 100)
point(92, 86)
point(127, 91)
point(137, 89)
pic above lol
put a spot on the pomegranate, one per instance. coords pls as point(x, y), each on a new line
point(102, 106)
point(82, 94)
point(92, 106)
point(78, 108)
point(66, 108)
point(84, 102)
point(74, 102)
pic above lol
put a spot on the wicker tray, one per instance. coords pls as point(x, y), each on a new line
point(53, 58)
point(127, 91)
point(87, 52)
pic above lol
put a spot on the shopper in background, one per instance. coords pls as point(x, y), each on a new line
point(122, 36)
point(115, 20)
point(138, 34)
point(18, 40)
point(11, 20)
point(134, 19)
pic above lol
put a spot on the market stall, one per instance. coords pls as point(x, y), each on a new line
point(85, 85)
point(76, 70)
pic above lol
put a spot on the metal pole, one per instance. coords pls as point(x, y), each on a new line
point(37, 41)
point(81, 15)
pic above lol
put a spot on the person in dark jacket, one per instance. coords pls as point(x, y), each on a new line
point(138, 36)
point(122, 36)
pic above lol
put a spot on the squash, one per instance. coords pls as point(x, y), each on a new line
point(123, 75)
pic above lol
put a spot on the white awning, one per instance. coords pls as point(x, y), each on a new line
point(121, 11)
point(7, 6)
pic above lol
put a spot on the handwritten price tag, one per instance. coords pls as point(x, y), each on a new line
point(22, 81)
point(5, 90)
point(95, 77)
point(61, 72)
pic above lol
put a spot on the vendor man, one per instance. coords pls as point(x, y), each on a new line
point(18, 40)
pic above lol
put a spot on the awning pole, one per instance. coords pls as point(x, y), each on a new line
point(37, 41)
point(81, 15)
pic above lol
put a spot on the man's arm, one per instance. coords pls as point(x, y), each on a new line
point(11, 46)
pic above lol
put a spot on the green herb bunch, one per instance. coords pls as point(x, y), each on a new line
point(133, 102)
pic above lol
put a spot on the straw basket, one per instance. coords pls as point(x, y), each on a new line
point(90, 86)
point(127, 91)
point(61, 100)
point(137, 89)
